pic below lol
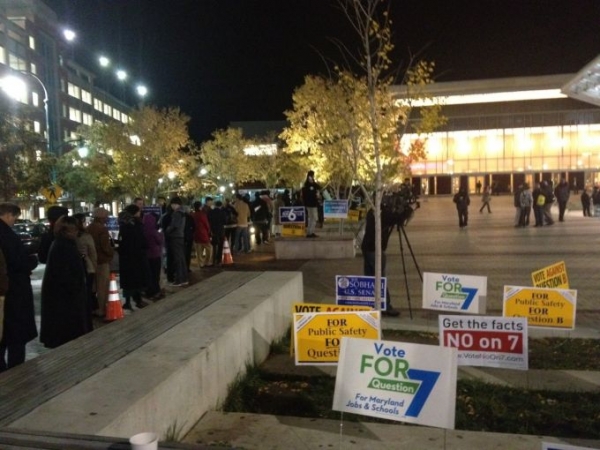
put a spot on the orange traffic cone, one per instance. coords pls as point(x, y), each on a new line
point(114, 310)
point(227, 258)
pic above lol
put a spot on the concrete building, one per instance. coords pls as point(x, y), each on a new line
point(63, 94)
point(504, 132)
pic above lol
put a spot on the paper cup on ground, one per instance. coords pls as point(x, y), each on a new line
point(144, 441)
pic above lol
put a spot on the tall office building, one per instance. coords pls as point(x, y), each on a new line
point(63, 94)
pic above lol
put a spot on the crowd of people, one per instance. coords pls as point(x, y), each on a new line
point(538, 200)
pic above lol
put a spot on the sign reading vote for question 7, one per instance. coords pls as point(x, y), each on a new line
point(397, 381)
point(486, 341)
point(455, 293)
point(543, 308)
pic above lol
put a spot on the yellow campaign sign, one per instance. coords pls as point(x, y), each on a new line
point(554, 276)
point(354, 215)
point(293, 229)
point(317, 336)
point(545, 308)
point(326, 307)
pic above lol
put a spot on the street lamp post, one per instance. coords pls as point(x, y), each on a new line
point(14, 81)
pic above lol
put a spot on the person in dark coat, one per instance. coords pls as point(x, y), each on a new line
point(54, 213)
point(133, 262)
point(66, 311)
point(217, 217)
point(3, 289)
point(19, 315)
point(155, 242)
point(462, 201)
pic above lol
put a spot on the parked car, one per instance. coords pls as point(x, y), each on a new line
point(30, 234)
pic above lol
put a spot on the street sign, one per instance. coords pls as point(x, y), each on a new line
point(52, 193)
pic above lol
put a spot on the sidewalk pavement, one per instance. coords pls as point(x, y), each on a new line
point(489, 246)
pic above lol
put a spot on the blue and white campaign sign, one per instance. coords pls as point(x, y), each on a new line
point(455, 293)
point(335, 209)
point(486, 341)
point(412, 383)
point(155, 209)
point(291, 214)
point(358, 290)
point(552, 446)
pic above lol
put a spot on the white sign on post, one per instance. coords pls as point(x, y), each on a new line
point(454, 293)
point(487, 341)
point(412, 383)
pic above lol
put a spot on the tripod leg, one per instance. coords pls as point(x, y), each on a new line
point(405, 277)
point(412, 253)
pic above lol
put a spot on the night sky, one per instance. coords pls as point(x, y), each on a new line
point(235, 60)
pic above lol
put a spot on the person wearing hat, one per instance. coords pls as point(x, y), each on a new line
point(54, 213)
point(310, 198)
point(104, 256)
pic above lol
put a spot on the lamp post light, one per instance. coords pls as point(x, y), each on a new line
point(15, 87)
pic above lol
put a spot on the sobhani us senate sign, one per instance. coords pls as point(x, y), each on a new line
point(397, 381)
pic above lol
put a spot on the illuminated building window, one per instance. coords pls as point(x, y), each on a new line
point(36, 127)
point(2, 55)
point(86, 96)
point(98, 105)
point(33, 68)
point(75, 115)
point(87, 119)
point(31, 42)
point(35, 99)
point(16, 63)
point(116, 114)
point(107, 110)
point(74, 91)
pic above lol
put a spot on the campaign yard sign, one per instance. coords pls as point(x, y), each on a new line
point(358, 290)
point(454, 293)
point(291, 214)
point(317, 335)
point(411, 383)
point(486, 341)
point(543, 308)
point(335, 209)
point(326, 307)
point(554, 276)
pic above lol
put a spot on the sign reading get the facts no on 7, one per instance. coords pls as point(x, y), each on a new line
point(317, 336)
point(544, 308)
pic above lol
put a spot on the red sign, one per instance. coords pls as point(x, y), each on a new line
point(494, 341)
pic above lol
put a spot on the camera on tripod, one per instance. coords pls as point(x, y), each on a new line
point(400, 204)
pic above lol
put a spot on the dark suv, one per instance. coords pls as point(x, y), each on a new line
point(30, 234)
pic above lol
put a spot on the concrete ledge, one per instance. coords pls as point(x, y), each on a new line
point(322, 247)
point(175, 378)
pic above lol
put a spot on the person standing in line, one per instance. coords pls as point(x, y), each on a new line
point(175, 236)
point(133, 262)
point(562, 193)
point(586, 201)
point(548, 202)
point(231, 221)
point(279, 203)
point(538, 205)
point(54, 213)
point(66, 312)
point(104, 256)
point(202, 236)
point(188, 236)
point(310, 198)
point(3, 289)
point(462, 201)
point(242, 236)
point(165, 222)
point(19, 315)
point(87, 250)
point(155, 241)
point(526, 203)
point(486, 198)
point(260, 219)
point(217, 218)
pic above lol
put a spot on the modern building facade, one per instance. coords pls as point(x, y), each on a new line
point(504, 132)
point(63, 95)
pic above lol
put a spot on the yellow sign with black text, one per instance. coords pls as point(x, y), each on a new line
point(317, 336)
point(542, 307)
point(554, 277)
point(292, 230)
point(326, 307)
